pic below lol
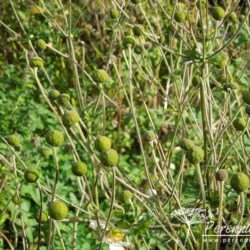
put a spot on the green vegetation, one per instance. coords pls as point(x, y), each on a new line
point(120, 121)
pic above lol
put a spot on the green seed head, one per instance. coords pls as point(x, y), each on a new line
point(239, 124)
point(138, 30)
point(79, 168)
point(16, 200)
point(195, 155)
point(110, 158)
point(129, 40)
point(246, 96)
point(127, 195)
point(247, 109)
point(218, 13)
point(58, 210)
point(55, 138)
point(179, 16)
point(54, 94)
point(138, 49)
point(101, 76)
point(31, 175)
point(44, 216)
point(41, 44)
point(149, 136)
point(233, 17)
point(114, 13)
point(240, 182)
point(187, 144)
point(242, 18)
point(45, 153)
point(14, 141)
point(70, 118)
point(63, 99)
point(103, 143)
point(36, 62)
point(221, 175)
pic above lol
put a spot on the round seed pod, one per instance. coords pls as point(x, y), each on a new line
point(110, 158)
point(247, 109)
point(233, 17)
point(55, 138)
point(129, 40)
point(114, 13)
point(103, 143)
point(41, 44)
point(36, 61)
point(45, 153)
point(70, 118)
point(58, 210)
point(31, 175)
point(195, 155)
point(148, 136)
point(14, 141)
point(242, 18)
point(79, 168)
point(44, 216)
point(16, 200)
point(246, 96)
point(138, 49)
point(63, 99)
point(187, 144)
point(179, 16)
point(221, 175)
point(54, 94)
point(101, 76)
point(127, 195)
point(137, 30)
point(218, 13)
point(239, 124)
point(240, 182)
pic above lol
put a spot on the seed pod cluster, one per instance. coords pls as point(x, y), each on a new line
point(79, 168)
point(221, 175)
point(54, 94)
point(63, 99)
point(58, 210)
point(129, 40)
point(179, 16)
point(109, 157)
point(101, 76)
point(239, 124)
point(103, 143)
point(127, 195)
point(218, 13)
point(55, 138)
point(31, 175)
point(41, 44)
point(195, 154)
point(240, 182)
point(70, 118)
point(16, 199)
point(14, 141)
point(43, 218)
point(36, 62)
